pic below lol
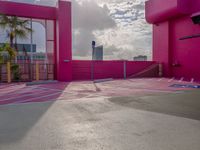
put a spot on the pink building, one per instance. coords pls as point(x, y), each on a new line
point(57, 21)
point(176, 37)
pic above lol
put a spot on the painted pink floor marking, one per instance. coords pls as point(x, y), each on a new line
point(19, 93)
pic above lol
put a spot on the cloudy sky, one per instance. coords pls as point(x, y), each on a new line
point(119, 25)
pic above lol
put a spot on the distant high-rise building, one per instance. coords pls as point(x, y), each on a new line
point(98, 53)
point(140, 58)
point(24, 53)
point(26, 47)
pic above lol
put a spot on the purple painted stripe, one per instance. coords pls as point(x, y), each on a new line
point(25, 98)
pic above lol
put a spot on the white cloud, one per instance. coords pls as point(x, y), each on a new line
point(117, 24)
point(132, 35)
point(88, 17)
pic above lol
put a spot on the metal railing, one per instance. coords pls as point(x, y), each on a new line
point(26, 72)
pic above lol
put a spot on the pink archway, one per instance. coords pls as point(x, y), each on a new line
point(61, 17)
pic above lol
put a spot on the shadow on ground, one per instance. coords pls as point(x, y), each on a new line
point(186, 104)
point(16, 120)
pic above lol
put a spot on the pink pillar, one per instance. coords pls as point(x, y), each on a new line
point(64, 41)
point(161, 46)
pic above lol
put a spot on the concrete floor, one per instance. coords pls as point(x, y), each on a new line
point(138, 114)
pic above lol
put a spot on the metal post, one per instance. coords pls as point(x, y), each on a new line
point(160, 70)
point(47, 71)
point(31, 51)
point(31, 42)
point(46, 53)
point(8, 72)
point(92, 63)
point(124, 70)
point(16, 50)
point(92, 68)
point(37, 72)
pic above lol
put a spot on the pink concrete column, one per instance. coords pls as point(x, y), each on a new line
point(64, 41)
point(161, 46)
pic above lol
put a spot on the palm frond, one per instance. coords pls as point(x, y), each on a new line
point(17, 28)
point(10, 50)
point(4, 21)
point(29, 30)
point(21, 33)
point(24, 22)
point(7, 48)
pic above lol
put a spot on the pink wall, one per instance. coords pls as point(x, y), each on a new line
point(194, 6)
point(161, 47)
point(162, 10)
point(62, 32)
point(133, 67)
point(171, 21)
point(81, 70)
point(64, 40)
point(27, 10)
point(185, 52)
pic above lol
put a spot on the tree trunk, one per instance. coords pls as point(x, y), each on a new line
point(0, 72)
point(16, 48)
point(11, 40)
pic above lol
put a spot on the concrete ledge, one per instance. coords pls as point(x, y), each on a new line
point(103, 80)
point(41, 82)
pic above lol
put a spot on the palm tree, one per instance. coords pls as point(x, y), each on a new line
point(17, 28)
point(6, 48)
point(9, 50)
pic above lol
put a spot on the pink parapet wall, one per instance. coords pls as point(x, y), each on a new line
point(171, 21)
point(82, 70)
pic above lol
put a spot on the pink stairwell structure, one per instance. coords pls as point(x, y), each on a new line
point(176, 41)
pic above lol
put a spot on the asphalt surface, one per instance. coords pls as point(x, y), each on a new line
point(148, 121)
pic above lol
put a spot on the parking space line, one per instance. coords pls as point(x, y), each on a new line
point(181, 80)
point(19, 93)
point(160, 79)
point(36, 98)
point(171, 79)
point(21, 96)
point(50, 89)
